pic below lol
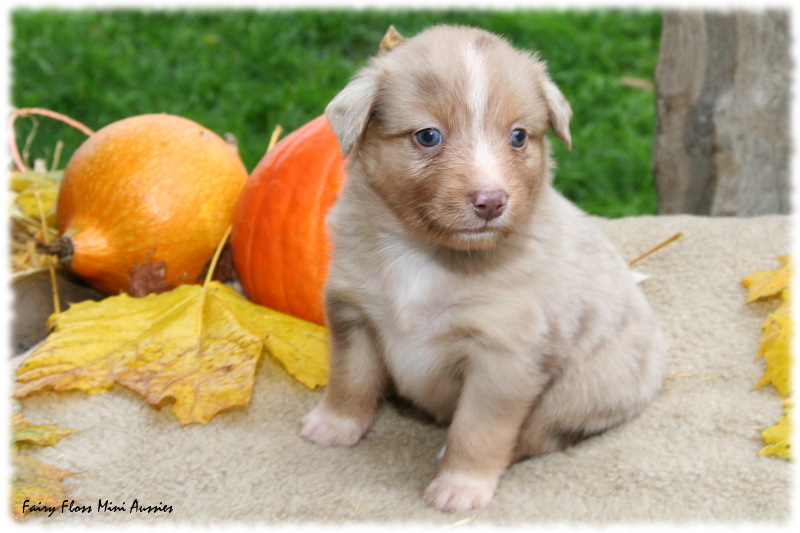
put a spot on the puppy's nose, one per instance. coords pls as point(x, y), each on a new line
point(489, 204)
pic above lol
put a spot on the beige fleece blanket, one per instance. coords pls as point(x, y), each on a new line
point(690, 457)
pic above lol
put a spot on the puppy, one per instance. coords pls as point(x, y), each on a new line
point(461, 280)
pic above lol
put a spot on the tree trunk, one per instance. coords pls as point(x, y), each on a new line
point(722, 144)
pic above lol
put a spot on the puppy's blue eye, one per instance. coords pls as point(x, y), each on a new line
point(518, 138)
point(429, 137)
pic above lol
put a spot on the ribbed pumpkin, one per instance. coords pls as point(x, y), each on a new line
point(143, 190)
point(279, 240)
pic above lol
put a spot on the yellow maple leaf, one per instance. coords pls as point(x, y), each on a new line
point(198, 345)
point(778, 437)
point(23, 431)
point(776, 348)
point(34, 483)
point(769, 283)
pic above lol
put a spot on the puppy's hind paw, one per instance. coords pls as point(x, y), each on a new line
point(325, 428)
point(459, 492)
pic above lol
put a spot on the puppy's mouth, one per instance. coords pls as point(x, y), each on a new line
point(486, 230)
point(476, 239)
point(467, 238)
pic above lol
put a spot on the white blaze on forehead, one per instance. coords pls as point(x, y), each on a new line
point(488, 176)
point(478, 89)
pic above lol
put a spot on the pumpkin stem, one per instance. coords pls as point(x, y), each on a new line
point(62, 248)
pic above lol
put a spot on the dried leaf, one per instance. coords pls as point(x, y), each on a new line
point(769, 283)
point(198, 345)
point(35, 484)
point(644, 84)
point(29, 190)
point(778, 437)
point(775, 348)
point(23, 431)
point(390, 39)
point(27, 185)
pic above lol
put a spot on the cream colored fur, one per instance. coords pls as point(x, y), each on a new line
point(525, 333)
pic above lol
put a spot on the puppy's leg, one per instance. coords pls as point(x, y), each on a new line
point(493, 404)
point(356, 381)
point(590, 396)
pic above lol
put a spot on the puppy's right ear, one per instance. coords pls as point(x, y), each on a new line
point(560, 110)
point(348, 112)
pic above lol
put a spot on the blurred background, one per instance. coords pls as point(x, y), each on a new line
point(246, 71)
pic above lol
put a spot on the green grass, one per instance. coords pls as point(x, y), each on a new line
point(245, 71)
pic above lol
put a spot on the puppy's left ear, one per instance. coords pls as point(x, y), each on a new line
point(560, 110)
point(349, 110)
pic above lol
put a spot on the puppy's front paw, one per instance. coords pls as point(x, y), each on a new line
point(326, 428)
point(459, 492)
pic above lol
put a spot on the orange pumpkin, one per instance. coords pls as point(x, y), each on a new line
point(145, 190)
point(279, 241)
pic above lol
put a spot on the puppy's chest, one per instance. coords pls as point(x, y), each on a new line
point(419, 309)
point(421, 301)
